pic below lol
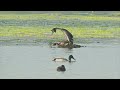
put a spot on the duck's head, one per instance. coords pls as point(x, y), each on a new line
point(53, 30)
point(71, 57)
point(62, 66)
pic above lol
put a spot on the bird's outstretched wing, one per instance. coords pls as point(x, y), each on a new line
point(67, 34)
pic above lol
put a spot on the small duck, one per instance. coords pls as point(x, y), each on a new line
point(61, 68)
point(64, 59)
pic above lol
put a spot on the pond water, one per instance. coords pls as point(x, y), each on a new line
point(96, 61)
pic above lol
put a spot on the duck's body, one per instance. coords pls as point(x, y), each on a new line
point(60, 59)
point(64, 59)
point(61, 68)
point(65, 44)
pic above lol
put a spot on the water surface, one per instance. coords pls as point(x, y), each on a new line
point(97, 60)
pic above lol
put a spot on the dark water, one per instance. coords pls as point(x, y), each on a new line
point(100, 59)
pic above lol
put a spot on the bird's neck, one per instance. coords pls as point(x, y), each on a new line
point(69, 59)
point(59, 28)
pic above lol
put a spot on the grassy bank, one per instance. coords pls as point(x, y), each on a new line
point(80, 24)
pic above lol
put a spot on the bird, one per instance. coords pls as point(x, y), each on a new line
point(61, 68)
point(64, 59)
point(68, 43)
point(67, 34)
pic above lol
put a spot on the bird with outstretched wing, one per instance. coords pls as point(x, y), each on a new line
point(67, 34)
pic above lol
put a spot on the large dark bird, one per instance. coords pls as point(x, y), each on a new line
point(68, 35)
point(68, 43)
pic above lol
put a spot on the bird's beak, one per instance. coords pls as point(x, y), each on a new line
point(74, 58)
point(53, 30)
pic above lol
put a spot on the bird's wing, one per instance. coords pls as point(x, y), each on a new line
point(68, 35)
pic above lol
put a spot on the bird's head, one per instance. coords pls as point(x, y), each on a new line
point(62, 66)
point(53, 30)
point(71, 57)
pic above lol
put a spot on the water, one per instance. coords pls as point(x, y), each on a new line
point(96, 61)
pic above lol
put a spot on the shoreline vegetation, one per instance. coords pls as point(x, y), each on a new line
point(82, 24)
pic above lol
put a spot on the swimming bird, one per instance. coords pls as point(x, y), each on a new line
point(61, 68)
point(68, 43)
point(64, 59)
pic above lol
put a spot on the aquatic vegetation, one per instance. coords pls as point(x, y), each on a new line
point(38, 25)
